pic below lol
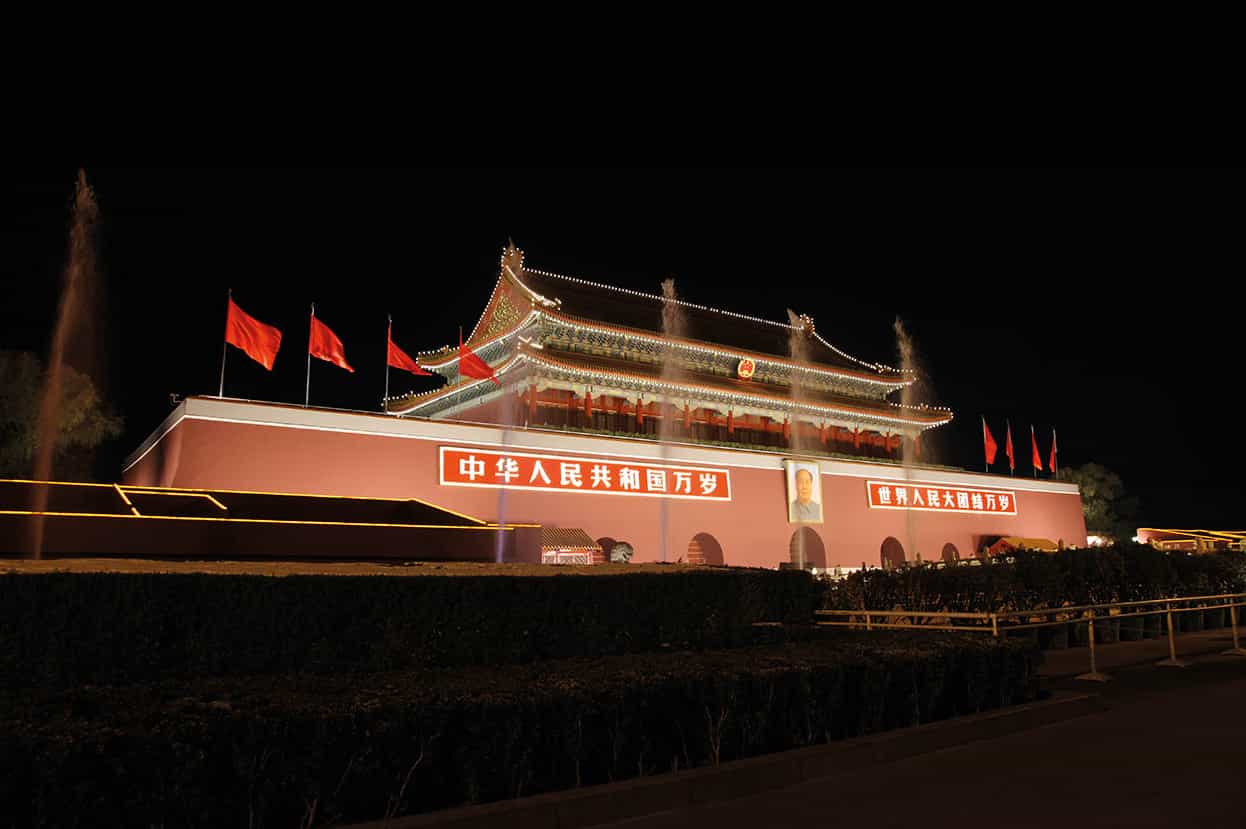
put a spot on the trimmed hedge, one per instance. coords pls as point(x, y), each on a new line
point(312, 750)
point(1026, 580)
point(64, 629)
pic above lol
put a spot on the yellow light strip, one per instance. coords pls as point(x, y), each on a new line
point(147, 491)
point(51, 483)
point(173, 489)
point(486, 527)
point(128, 503)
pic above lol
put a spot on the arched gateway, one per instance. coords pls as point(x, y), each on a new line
point(806, 549)
point(705, 549)
point(892, 553)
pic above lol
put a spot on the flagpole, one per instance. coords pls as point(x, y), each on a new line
point(225, 345)
point(389, 337)
point(1012, 469)
point(307, 390)
point(1033, 448)
point(1053, 451)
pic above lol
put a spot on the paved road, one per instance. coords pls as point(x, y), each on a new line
point(1170, 751)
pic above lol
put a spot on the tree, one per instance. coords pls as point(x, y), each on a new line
point(1109, 510)
point(83, 419)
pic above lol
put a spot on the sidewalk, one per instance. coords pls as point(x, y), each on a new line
point(1167, 752)
point(1073, 661)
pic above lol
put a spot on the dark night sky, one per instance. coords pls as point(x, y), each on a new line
point(1103, 303)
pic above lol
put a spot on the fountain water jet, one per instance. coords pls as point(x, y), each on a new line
point(798, 349)
point(512, 258)
point(78, 281)
point(673, 326)
point(908, 365)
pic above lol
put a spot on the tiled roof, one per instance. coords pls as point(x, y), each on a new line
point(635, 309)
point(566, 538)
point(731, 385)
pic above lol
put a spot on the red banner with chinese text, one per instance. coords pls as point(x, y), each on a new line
point(940, 498)
point(558, 473)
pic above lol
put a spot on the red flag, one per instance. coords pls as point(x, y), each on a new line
point(1053, 450)
point(259, 341)
point(399, 359)
point(1012, 461)
point(470, 364)
point(988, 441)
point(323, 344)
point(1037, 459)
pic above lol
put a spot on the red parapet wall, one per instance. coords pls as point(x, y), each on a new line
point(221, 444)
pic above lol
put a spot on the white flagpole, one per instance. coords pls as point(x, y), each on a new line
point(389, 336)
point(1012, 464)
point(307, 390)
point(1054, 451)
point(225, 345)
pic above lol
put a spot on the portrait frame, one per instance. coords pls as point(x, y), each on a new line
point(790, 470)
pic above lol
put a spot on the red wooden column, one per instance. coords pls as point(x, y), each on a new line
point(532, 402)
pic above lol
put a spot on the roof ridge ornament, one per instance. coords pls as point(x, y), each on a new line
point(512, 257)
point(512, 263)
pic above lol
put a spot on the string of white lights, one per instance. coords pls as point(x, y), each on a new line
point(581, 324)
point(787, 326)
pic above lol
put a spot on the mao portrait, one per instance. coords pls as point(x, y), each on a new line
point(804, 493)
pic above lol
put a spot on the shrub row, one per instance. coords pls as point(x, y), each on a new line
point(1026, 580)
point(309, 750)
point(62, 629)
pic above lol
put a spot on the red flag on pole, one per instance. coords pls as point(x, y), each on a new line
point(259, 341)
point(470, 364)
point(399, 358)
point(1012, 461)
point(323, 344)
point(1053, 451)
point(1036, 459)
point(988, 443)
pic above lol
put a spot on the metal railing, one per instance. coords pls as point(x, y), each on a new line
point(1001, 622)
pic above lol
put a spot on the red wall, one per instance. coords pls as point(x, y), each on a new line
point(752, 528)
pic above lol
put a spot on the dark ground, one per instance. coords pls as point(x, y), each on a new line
point(1167, 752)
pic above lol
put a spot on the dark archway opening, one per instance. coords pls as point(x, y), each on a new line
point(705, 549)
point(892, 553)
point(806, 549)
point(950, 553)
